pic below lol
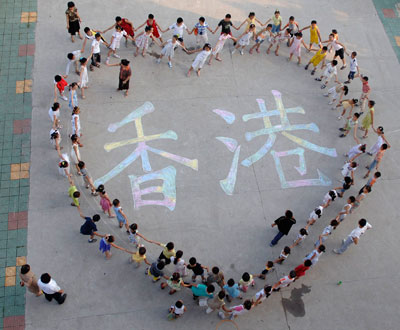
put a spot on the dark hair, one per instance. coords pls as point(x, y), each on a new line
point(75, 109)
point(334, 31)
point(355, 101)
point(246, 277)
point(368, 188)
point(231, 282)
point(54, 135)
point(362, 222)
point(286, 249)
point(72, 85)
point(100, 188)
point(192, 261)
point(377, 174)
point(365, 78)
point(371, 103)
point(247, 304)
point(76, 194)
point(86, 29)
point(228, 16)
point(45, 278)
point(363, 148)
point(352, 199)
point(210, 288)
point(179, 20)
point(83, 60)
point(252, 13)
point(354, 164)
point(215, 270)
point(110, 239)
point(119, 27)
point(115, 202)
point(55, 106)
point(175, 36)
point(303, 231)
point(96, 217)
point(289, 214)
point(160, 265)
point(57, 78)
point(325, 48)
point(267, 289)
point(277, 12)
point(321, 248)
point(142, 250)
point(70, 4)
point(151, 16)
point(178, 304)
point(354, 53)
point(334, 223)
point(25, 268)
point(70, 56)
point(97, 35)
point(170, 245)
point(148, 28)
point(357, 115)
point(178, 255)
point(269, 25)
point(318, 212)
point(292, 273)
point(221, 294)
point(81, 164)
point(346, 90)
point(118, 19)
point(133, 227)
point(270, 264)
point(348, 180)
point(313, 22)
point(74, 137)
point(307, 263)
point(125, 62)
point(333, 194)
point(299, 34)
point(202, 19)
point(291, 18)
point(175, 276)
point(207, 46)
point(334, 62)
point(384, 146)
point(63, 164)
point(251, 26)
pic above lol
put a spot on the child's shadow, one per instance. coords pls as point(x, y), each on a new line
point(295, 304)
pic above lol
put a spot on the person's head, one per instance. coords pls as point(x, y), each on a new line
point(324, 49)
point(215, 270)
point(96, 218)
point(334, 223)
point(76, 194)
point(252, 14)
point(363, 148)
point(384, 146)
point(83, 60)
point(45, 278)
point(377, 175)
point(73, 86)
point(291, 19)
point(247, 304)
point(292, 274)
point(118, 20)
point(289, 214)
point(277, 13)
point(228, 17)
point(55, 106)
point(353, 164)
point(70, 56)
point(150, 17)
point(175, 38)
point(125, 62)
point(380, 129)
point(87, 30)
point(331, 36)
point(142, 250)
point(57, 78)
point(270, 264)
point(334, 31)
point(202, 20)
point(246, 277)
point(367, 189)
point(321, 248)
point(348, 180)
point(178, 255)
point(176, 276)
point(231, 282)
point(81, 164)
point(353, 54)
point(365, 78)
point(55, 135)
point(63, 164)
point(355, 101)
point(116, 202)
point(179, 21)
point(97, 36)
point(210, 288)
point(345, 90)
point(74, 138)
point(70, 5)
point(313, 23)
point(160, 265)
point(192, 261)
point(299, 35)
point(356, 116)
point(148, 29)
point(307, 263)
point(303, 231)
point(252, 27)
point(170, 246)
point(332, 194)
point(269, 27)
point(207, 47)
point(334, 63)
point(100, 188)
point(351, 200)
point(318, 211)
point(25, 269)
point(371, 103)
point(110, 238)
point(267, 289)
point(118, 28)
point(287, 31)
point(179, 304)
point(76, 110)
point(286, 250)
point(362, 223)
point(221, 294)
point(133, 227)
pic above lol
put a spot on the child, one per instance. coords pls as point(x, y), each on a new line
point(318, 58)
point(244, 39)
point(115, 42)
point(368, 120)
point(63, 166)
point(59, 84)
point(126, 26)
point(169, 49)
point(351, 123)
point(355, 152)
point(326, 232)
point(377, 160)
point(361, 195)
point(246, 280)
point(167, 252)
point(202, 290)
point(106, 243)
point(314, 215)
point(155, 270)
point(74, 194)
point(295, 47)
point(174, 282)
point(315, 36)
point(366, 90)
point(284, 281)
point(277, 22)
point(75, 154)
point(90, 228)
point(372, 181)
point(293, 26)
point(260, 38)
point(76, 125)
point(200, 60)
point(219, 46)
point(55, 139)
point(329, 72)
point(348, 182)
point(261, 295)
point(300, 238)
point(105, 201)
point(269, 267)
point(134, 235)
point(121, 217)
point(54, 114)
point(87, 178)
point(177, 310)
point(232, 290)
point(216, 303)
point(95, 51)
point(179, 263)
point(200, 30)
point(328, 198)
point(152, 22)
point(277, 40)
point(348, 170)
point(346, 209)
point(339, 48)
point(73, 58)
point(139, 256)
point(283, 256)
point(353, 68)
point(217, 276)
point(73, 20)
point(314, 255)
point(381, 139)
point(336, 92)
point(73, 96)
point(225, 25)
point(347, 104)
point(250, 20)
point(142, 40)
point(235, 311)
point(197, 269)
point(83, 78)
point(302, 268)
point(177, 29)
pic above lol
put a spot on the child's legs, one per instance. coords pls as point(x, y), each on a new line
point(108, 254)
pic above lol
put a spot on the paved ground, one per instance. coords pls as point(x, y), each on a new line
point(229, 231)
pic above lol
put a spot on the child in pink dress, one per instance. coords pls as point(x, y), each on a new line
point(295, 47)
point(105, 202)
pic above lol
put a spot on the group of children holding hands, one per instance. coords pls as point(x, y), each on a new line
point(275, 33)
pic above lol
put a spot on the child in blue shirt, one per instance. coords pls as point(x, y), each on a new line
point(232, 290)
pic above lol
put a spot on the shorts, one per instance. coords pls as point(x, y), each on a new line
point(121, 220)
point(265, 272)
point(340, 53)
point(276, 28)
point(96, 58)
point(314, 40)
point(259, 41)
point(351, 75)
point(180, 39)
point(163, 257)
point(373, 164)
point(155, 278)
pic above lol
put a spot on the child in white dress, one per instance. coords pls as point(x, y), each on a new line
point(200, 59)
point(84, 78)
point(75, 154)
point(169, 49)
point(220, 45)
point(278, 39)
point(295, 47)
point(76, 125)
point(244, 39)
point(142, 40)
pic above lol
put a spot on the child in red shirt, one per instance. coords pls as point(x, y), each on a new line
point(301, 269)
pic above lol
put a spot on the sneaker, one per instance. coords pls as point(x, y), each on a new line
point(241, 52)
point(347, 82)
point(233, 51)
point(306, 67)
point(318, 79)
point(343, 240)
point(92, 240)
point(116, 56)
point(271, 245)
point(158, 61)
point(361, 113)
point(323, 86)
point(333, 108)
point(326, 94)
point(64, 98)
point(146, 271)
point(330, 102)
point(343, 67)
point(342, 135)
point(369, 153)
point(63, 297)
point(312, 72)
point(341, 129)
point(336, 251)
point(170, 64)
point(107, 61)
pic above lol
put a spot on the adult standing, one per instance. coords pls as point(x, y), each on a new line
point(51, 289)
point(29, 280)
point(354, 236)
point(284, 224)
point(125, 74)
point(73, 21)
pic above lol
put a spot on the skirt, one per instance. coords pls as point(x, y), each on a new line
point(74, 27)
point(104, 246)
point(122, 86)
point(105, 204)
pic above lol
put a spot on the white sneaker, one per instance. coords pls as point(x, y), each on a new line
point(241, 52)
point(116, 55)
point(64, 98)
point(170, 64)
point(338, 118)
point(158, 60)
point(326, 94)
point(233, 51)
point(108, 60)
point(330, 102)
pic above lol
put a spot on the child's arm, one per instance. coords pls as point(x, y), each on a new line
point(163, 31)
point(96, 233)
point(111, 27)
point(305, 28)
point(146, 239)
point(305, 46)
point(123, 214)
point(208, 28)
point(84, 45)
point(139, 27)
point(119, 248)
point(188, 32)
point(216, 29)
point(258, 21)
point(206, 268)
point(146, 262)
point(278, 260)
point(355, 138)
point(297, 241)
point(194, 51)
point(242, 23)
point(236, 28)
point(266, 22)
point(287, 25)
